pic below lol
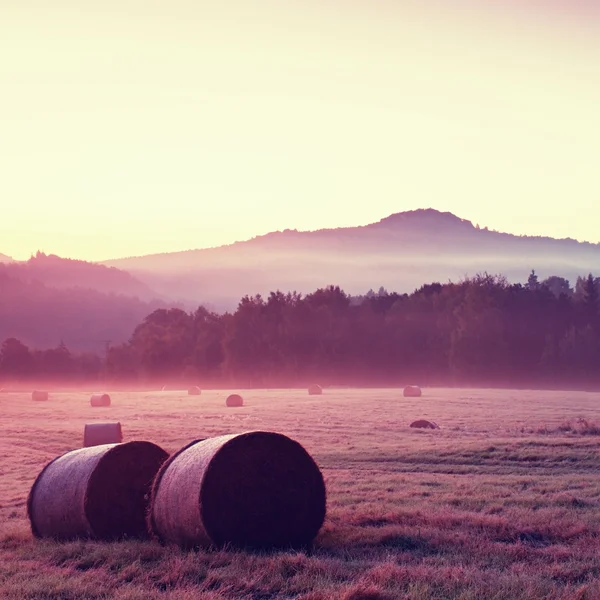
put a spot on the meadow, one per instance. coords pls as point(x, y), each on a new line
point(502, 502)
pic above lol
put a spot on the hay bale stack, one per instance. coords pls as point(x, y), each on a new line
point(234, 400)
point(250, 490)
point(194, 391)
point(100, 400)
point(39, 396)
point(423, 424)
point(412, 391)
point(98, 434)
point(315, 390)
point(99, 493)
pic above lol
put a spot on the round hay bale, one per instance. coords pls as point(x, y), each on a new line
point(98, 434)
point(39, 396)
point(250, 490)
point(423, 424)
point(234, 400)
point(100, 400)
point(194, 391)
point(99, 493)
point(315, 390)
point(412, 391)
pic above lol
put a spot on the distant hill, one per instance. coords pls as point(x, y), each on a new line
point(400, 252)
point(84, 319)
point(5, 259)
point(57, 272)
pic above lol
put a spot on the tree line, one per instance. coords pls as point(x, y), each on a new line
point(479, 331)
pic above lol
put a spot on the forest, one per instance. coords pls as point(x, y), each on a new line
point(479, 331)
point(42, 305)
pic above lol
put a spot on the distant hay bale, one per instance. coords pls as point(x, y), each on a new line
point(315, 390)
point(98, 434)
point(194, 391)
point(39, 396)
point(99, 493)
point(423, 424)
point(251, 490)
point(100, 400)
point(412, 391)
point(234, 400)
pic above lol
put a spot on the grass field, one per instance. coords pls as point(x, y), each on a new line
point(503, 502)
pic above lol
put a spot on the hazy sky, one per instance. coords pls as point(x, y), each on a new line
point(132, 127)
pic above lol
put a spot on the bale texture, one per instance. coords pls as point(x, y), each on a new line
point(412, 391)
point(423, 424)
point(98, 434)
point(250, 490)
point(315, 390)
point(100, 400)
point(39, 396)
point(98, 493)
point(194, 391)
point(234, 400)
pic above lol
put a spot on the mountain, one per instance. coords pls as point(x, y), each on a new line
point(400, 252)
point(84, 319)
point(56, 272)
point(5, 259)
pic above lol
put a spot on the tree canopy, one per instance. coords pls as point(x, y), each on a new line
point(480, 331)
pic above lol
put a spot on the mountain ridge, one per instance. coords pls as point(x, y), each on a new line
point(399, 252)
point(56, 272)
point(423, 215)
point(84, 319)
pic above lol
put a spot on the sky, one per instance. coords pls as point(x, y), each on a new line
point(134, 127)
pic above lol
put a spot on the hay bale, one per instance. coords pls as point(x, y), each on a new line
point(98, 434)
point(423, 424)
point(234, 400)
point(251, 490)
point(100, 400)
point(412, 391)
point(39, 396)
point(194, 391)
point(315, 390)
point(99, 493)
